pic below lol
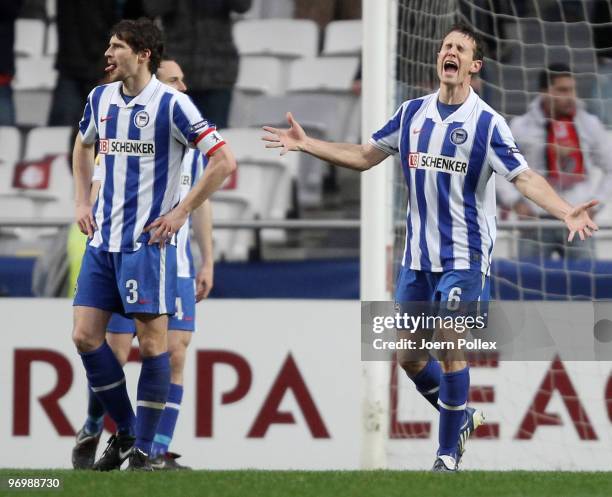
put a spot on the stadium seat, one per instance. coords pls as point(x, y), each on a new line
point(530, 31)
point(531, 56)
point(579, 35)
point(34, 73)
point(51, 9)
point(343, 38)
point(322, 74)
point(264, 177)
point(515, 102)
point(554, 33)
point(29, 37)
point(290, 38)
point(328, 80)
point(32, 107)
point(51, 39)
point(231, 244)
point(10, 147)
point(583, 60)
point(257, 75)
point(513, 78)
point(316, 113)
point(558, 54)
point(47, 181)
point(16, 206)
point(47, 140)
point(321, 115)
point(261, 74)
point(277, 9)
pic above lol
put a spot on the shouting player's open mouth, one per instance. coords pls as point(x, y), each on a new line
point(450, 67)
point(110, 68)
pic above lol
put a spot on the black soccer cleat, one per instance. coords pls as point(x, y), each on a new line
point(139, 461)
point(116, 452)
point(168, 462)
point(84, 450)
point(445, 464)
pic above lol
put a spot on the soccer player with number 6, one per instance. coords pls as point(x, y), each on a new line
point(450, 143)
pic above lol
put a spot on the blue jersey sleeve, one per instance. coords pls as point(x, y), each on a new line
point(191, 129)
point(87, 125)
point(387, 138)
point(505, 157)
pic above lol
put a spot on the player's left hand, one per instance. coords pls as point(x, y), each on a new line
point(204, 281)
point(165, 227)
point(579, 221)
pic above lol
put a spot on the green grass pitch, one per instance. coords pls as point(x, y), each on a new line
point(316, 484)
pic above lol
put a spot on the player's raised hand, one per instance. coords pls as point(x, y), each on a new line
point(204, 281)
point(164, 227)
point(579, 221)
point(292, 138)
point(85, 219)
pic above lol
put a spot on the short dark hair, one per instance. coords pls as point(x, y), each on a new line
point(552, 72)
point(470, 33)
point(141, 34)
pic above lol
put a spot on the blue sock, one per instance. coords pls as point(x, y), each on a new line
point(167, 422)
point(153, 386)
point(427, 381)
point(107, 381)
point(95, 414)
point(454, 389)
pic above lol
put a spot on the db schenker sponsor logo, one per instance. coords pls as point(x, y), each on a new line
point(437, 163)
point(127, 147)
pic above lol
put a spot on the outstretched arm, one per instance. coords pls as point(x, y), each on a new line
point(348, 155)
point(536, 188)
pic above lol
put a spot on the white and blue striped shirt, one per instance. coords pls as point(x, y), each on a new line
point(194, 164)
point(448, 166)
point(192, 169)
point(141, 145)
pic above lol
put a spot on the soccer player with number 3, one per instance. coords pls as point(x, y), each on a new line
point(192, 287)
point(450, 143)
point(143, 128)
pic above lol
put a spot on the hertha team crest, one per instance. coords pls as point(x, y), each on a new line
point(459, 136)
point(141, 119)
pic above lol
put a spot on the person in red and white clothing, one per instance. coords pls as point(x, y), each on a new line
point(564, 143)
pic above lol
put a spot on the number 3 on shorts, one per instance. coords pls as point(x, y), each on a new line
point(132, 286)
point(454, 299)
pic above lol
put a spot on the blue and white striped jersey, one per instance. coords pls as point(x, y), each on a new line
point(448, 166)
point(141, 145)
point(194, 164)
point(192, 169)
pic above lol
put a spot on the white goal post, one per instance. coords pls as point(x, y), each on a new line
point(376, 215)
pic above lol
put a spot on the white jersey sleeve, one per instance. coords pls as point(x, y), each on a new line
point(191, 129)
point(387, 138)
point(505, 157)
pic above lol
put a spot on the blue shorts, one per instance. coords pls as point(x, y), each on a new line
point(183, 319)
point(462, 289)
point(143, 281)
